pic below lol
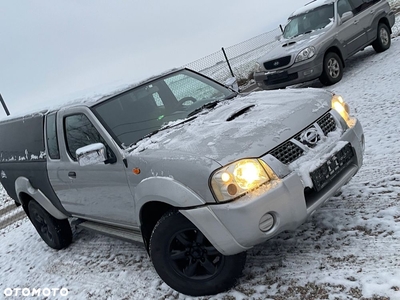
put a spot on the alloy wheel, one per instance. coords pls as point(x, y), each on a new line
point(193, 256)
point(333, 68)
point(384, 36)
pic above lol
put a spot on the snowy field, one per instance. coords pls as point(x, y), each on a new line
point(349, 249)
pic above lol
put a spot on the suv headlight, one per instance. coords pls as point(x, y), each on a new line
point(240, 177)
point(342, 108)
point(305, 54)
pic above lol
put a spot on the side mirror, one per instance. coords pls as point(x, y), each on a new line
point(346, 16)
point(91, 154)
point(232, 83)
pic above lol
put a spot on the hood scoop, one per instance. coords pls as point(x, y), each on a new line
point(240, 112)
point(288, 44)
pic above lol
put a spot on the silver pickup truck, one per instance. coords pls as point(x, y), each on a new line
point(189, 167)
point(318, 39)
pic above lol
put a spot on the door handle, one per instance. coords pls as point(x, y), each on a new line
point(372, 11)
point(355, 22)
point(71, 174)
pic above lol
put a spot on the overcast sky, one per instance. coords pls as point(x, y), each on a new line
point(52, 50)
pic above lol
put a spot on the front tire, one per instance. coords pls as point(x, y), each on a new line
point(55, 233)
point(333, 69)
point(186, 261)
point(383, 39)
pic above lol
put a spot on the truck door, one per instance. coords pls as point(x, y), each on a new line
point(96, 192)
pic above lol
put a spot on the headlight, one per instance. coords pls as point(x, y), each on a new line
point(257, 67)
point(305, 54)
point(240, 177)
point(342, 108)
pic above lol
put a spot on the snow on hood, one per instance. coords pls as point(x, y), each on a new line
point(246, 126)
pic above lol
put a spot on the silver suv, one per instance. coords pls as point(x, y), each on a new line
point(320, 36)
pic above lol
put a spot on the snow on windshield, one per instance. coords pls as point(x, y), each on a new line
point(318, 18)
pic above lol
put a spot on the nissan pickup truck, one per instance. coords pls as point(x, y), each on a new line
point(194, 170)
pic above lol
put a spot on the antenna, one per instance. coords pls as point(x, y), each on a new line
point(4, 105)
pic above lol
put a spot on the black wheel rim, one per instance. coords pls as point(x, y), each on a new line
point(192, 255)
point(42, 226)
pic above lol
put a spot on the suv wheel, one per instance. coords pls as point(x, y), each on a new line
point(382, 42)
point(55, 233)
point(186, 261)
point(333, 69)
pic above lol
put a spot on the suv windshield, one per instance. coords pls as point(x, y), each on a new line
point(314, 19)
point(132, 115)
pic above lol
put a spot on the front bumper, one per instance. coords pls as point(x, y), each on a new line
point(235, 226)
point(297, 73)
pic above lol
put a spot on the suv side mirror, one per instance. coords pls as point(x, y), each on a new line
point(91, 154)
point(346, 16)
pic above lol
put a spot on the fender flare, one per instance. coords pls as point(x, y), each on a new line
point(23, 185)
point(166, 190)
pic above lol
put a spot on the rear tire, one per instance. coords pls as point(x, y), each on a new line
point(55, 233)
point(186, 261)
point(333, 69)
point(383, 39)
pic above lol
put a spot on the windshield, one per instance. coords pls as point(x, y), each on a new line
point(314, 19)
point(138, 112)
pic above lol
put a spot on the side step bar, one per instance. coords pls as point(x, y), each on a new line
point(125, 234)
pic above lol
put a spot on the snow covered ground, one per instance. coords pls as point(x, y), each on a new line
point(349, 249)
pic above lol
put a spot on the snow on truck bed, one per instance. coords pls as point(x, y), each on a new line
point(348, 249)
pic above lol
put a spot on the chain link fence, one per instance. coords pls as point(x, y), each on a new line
point(237, 60)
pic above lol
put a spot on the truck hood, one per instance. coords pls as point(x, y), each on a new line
point(293, 46)
point(246, 126)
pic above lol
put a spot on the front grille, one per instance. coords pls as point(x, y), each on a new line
point(327, 123)
point(277, 63)
point(287, 152)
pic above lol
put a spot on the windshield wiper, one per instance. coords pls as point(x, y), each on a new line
point(208, 105)
point(174, 124)
point(307, 32)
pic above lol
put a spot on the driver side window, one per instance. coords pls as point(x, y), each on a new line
point(80, 132)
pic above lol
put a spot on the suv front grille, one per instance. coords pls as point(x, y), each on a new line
point(290, 151)
point(277, 63)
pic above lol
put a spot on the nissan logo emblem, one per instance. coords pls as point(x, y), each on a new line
point(310, 136)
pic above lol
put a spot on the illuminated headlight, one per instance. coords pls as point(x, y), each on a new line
point(305, 54)
point(257, 67)
point(240, 177)
point(342, 108)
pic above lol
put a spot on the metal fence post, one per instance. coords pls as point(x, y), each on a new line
point(4, 105)
point(227, 61)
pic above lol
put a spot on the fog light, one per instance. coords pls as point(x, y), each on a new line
point(266, 222)
point(308, 72)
